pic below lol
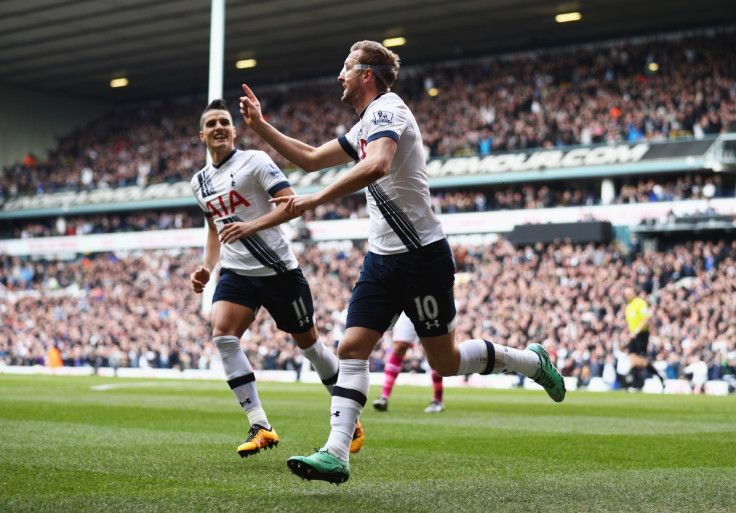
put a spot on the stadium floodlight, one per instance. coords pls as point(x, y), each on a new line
point(568, 16)
point(246, 63)
point(394, 41)
point(118, 82)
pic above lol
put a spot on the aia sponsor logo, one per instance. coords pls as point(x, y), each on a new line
point(226, 204)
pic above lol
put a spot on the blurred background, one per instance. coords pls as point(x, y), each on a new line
point(573, 149)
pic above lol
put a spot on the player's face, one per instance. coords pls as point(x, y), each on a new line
point(349, 78)
point(218, 131)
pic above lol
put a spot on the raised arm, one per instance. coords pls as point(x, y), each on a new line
point(303, 155)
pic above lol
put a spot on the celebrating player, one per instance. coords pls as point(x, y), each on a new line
point(257, 267)
point(408, 266)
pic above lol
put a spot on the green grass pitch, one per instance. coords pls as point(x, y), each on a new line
point(69, 445)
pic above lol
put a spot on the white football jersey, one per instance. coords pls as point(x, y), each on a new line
point(399, 205)
point(238, 189)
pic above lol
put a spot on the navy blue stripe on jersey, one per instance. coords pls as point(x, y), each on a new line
point(345, 145)
point(263, 253)
point(385, 133)
point(230, 155)
point(350, 393)
point(259, 249)
point(396, 219)
point(279, 186)
point(205, 183)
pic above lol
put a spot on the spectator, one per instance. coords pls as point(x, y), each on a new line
point(546, 100)
point(506, 294)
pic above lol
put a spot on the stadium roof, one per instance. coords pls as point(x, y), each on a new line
point(75, 47)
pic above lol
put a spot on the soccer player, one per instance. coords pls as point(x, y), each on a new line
point(405, 336)
point(408, 266)
point(637, 319)
point(257, 267)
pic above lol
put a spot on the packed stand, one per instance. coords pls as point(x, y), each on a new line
point(695, 186)
point(138, 310)
point(134, 221)
point(597, 94)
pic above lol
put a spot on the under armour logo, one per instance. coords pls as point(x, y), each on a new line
point(433, 324)
point(336, 414)
point(243, 403)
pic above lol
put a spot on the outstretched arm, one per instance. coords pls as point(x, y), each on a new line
point(375, 165)
point(303, 155)
point(231, 232)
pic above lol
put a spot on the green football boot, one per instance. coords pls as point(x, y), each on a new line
point(547, 375)
point(321, 466)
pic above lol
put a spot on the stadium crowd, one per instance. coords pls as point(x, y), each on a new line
point(446, 201)
point(137, 309)
point(650, 89)
point(111, 223)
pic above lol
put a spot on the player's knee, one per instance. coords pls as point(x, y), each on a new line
point(226, 343)
point(218, 332)
point(307, 339)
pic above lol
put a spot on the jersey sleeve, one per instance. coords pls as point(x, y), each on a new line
point(268, 174)
point(385, 119)
point(350, 142)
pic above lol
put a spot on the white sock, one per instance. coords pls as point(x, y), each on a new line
point(473, 357)
point(241, 379)
point(514, 360)
point(257, 415)
point(324, 362)
point(348, 399)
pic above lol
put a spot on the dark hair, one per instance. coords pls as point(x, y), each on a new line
point(218, 104)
